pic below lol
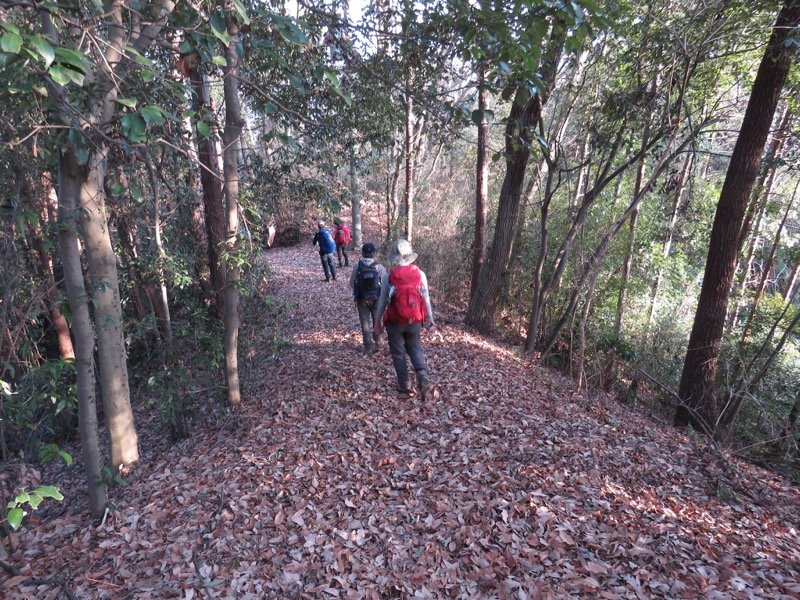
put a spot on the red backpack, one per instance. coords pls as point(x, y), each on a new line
point(342, 234)
point(407, 305)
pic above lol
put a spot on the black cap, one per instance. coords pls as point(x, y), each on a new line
point(368, 250)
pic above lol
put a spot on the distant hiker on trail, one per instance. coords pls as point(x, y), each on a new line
point(341, 235)
point(326, 249)
point(404, 306)
point(365, 280)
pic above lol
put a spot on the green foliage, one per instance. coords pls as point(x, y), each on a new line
point(111, 479)
point(32, 499)
point(49, 452)
point(280, 345)
point(40, 405)
point(171, 386)
point(612, 342)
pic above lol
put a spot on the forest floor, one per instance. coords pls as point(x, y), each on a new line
point(328, 485)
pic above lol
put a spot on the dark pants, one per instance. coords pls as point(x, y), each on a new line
point(404, 339)
point(328, 266)
point(341, 249)
point(366, 314)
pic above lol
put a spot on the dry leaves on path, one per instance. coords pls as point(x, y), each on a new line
point(507, 485)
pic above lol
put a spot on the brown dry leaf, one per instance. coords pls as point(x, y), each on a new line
point(327, 485)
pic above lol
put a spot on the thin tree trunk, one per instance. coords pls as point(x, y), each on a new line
point(792, 279)
point(161, 304)
point(544, 241)
point(518, 139)
point(697, 389)
point(212, 192)
point(68, 193)
point(626, 268)
point(408, 199)
point(45, 266)
point(587, 304)
point(231, 135)
point(107, 312)
point(673, 220)
point(765, 272)
point(481, 181)
point(358, 235)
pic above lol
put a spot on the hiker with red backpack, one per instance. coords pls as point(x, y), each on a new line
point(404, 307)
point(341, 235)
point(366, 283)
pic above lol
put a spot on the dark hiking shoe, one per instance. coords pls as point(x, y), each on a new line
point(404, 391)
point(424, 387)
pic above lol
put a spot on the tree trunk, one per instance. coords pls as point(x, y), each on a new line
point(107, 308)
point(762, 285)
point(673, 220)
point(697, 390)
point(212, 192)
point(392, 216)
point(518, 139)
point(68, 193)
point(544, 241)
point(626, 268)
point(408, 199)
point(792, 279)
point(358, 235)
point(45, 267)
point(231, 135)
point(161, 297)
point(758, 204)
point(481, 181)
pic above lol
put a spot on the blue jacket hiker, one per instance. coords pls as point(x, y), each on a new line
point(365, 280)
point(404, 305)
point(327, 247)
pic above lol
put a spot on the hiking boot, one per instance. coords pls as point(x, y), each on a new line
point(424, 387)
point(404, 390)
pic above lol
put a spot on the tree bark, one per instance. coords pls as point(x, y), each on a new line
point(68, 193)
point(213, 202)
point(355, 198)
point(408, 198)
point(518, 138)
point(697, 390)
point(45, 267)
point(161, 296)
point(481, 181)
point(231, 136)
point(107, 310)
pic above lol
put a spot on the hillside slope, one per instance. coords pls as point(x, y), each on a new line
point(328, 485)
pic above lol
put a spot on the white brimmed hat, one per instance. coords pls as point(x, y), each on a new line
point(401, 253)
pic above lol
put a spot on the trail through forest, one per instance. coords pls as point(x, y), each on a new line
point(328, 485)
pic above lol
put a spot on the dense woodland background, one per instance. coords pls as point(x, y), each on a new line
point(572, 174)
